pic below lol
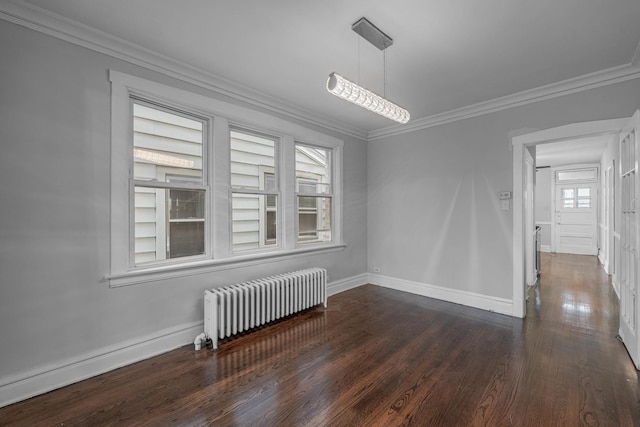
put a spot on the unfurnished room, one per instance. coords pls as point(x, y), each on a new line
point(337, 213)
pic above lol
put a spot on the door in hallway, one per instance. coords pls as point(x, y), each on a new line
point(630, 238)
point(576, 210)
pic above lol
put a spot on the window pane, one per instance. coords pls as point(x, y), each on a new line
point(576, 175)
point(186, 204)
point(252, 158)
point(270, 182)
point(165, 143)
point(313, 170)
point(254, 221)
point(569, 203)
point(185, 239)
point(168, 224)
point(271, 227)
point(314, 219)
point(584, 192)
point(584, 203)
point(308, 186)
point(568, 193)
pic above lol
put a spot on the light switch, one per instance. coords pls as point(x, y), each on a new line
point(505, 205)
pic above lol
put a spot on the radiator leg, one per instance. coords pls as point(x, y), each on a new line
point(198, 341)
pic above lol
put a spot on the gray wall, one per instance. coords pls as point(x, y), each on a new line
point(54, 214)
point(433, 209)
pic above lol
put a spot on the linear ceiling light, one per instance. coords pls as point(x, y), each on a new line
point(345, 89)
point(352, 92)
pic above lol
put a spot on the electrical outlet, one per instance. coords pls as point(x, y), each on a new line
point(376, 269)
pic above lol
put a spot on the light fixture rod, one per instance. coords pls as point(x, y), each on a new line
point(371, 33)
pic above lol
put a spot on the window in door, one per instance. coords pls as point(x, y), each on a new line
point(576, 198)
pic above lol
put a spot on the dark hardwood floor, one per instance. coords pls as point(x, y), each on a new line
point(378, 357)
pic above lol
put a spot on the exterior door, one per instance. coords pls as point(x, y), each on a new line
point(576, 212)
point(629, 238)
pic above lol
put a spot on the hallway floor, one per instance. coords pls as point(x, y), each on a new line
point(572, 322)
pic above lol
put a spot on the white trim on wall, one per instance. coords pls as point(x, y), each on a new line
point(338, 286)
point(50, 377)
point(62, 373)
point(122, 271)
point(470, 299)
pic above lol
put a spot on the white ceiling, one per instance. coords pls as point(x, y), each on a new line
point(446, 54)
point(584, 150)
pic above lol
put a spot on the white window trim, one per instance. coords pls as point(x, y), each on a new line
point(121, 273)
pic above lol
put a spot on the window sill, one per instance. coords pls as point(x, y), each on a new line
point(208, 266)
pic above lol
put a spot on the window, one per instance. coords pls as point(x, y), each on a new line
point(168, 183)
point(270, 211)
point(586, 174)
point(313, 193)
point(192, 193)
point(255, 190)
point(576, 198)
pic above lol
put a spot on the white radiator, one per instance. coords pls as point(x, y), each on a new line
point(230, 310)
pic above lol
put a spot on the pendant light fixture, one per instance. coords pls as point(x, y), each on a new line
point(352, 92)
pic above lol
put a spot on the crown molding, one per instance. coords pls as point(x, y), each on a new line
point(43, 21)
point(577, 84)
point(21, 13)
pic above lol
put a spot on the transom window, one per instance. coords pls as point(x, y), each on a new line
point(582, 174)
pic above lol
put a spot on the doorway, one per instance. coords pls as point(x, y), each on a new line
point(574, 229)
point(521, 144)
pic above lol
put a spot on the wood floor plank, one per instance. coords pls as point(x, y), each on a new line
point(379, 357)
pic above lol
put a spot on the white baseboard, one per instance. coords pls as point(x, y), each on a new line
point(346, 284)
point(471, 299)
point(64, 372)
point(545, 248)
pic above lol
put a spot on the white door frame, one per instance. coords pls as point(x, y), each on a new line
point(561, 133)
point(528, 186)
